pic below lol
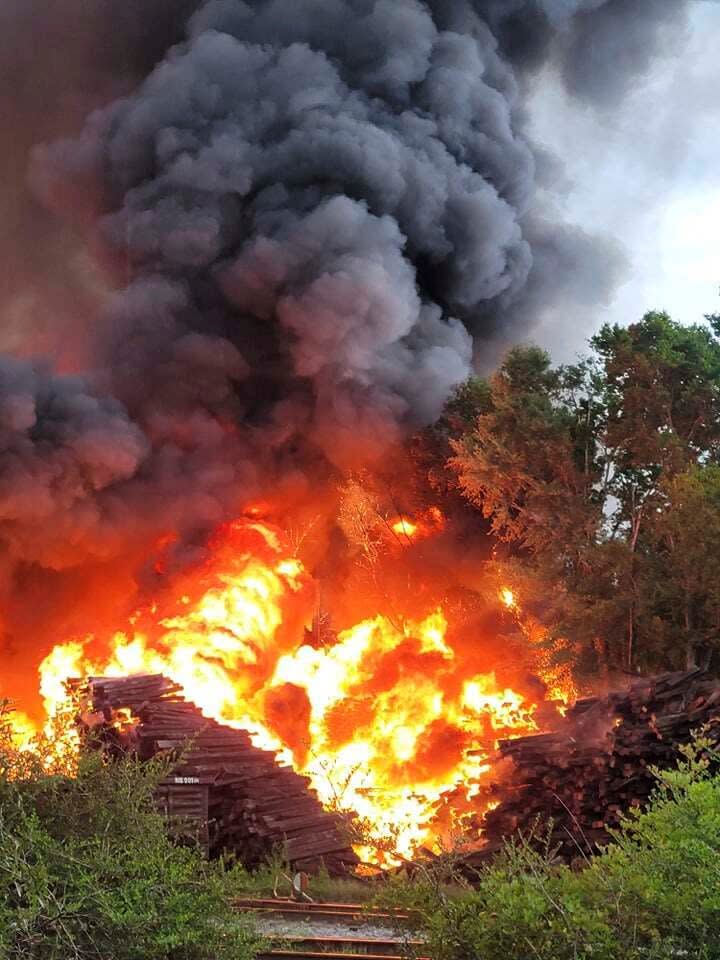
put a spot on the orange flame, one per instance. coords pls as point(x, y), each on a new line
point(22, 730)
point(418, 528)
point(405, 527)
point(508, 597)
point(386, 721)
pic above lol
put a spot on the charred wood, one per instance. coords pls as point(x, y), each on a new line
point(573, 786)
point(231, 796)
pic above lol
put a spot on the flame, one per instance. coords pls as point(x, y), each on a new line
point(507, 597)
point(387, 721)
point(551, 662)
point(22, 730)
point(405, 527)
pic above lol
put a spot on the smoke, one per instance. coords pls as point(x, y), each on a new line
point(62, 447)
point(296, 227)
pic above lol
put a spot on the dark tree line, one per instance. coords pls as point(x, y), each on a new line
point(601, 483)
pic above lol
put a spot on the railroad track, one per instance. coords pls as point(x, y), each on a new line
point(335, 946)
point(343, 948)
point(325, 911)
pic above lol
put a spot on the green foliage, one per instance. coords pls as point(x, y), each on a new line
point(681, 569)
point(654, 893)
point(600, 479)
point(274, 879)
point(471, 399)
point(662, 395)
point(519, 463)
point(431, 449)
point(87, 871)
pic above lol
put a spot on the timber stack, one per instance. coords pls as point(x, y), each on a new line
point(234, 796)
point(583, 777)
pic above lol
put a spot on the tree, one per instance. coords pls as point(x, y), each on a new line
point(662, 401)
point(528, 462)
point(662, 395)
point(533, 465)
point(683, 567)
point(574, 467)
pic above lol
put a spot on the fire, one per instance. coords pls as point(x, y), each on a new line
point(387, 721)
point(550, 664)
point(405, 527)
point(22, 729)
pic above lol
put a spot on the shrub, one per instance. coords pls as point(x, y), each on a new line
point(87, 870)
point(653, 894)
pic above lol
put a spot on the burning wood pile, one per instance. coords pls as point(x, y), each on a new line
point(234, 796)
point(596, 766)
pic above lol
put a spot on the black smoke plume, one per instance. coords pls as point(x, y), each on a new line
point(289, 224)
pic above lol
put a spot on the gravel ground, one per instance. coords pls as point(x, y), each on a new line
point(317, 927)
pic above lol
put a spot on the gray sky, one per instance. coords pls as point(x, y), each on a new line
point(648, 175)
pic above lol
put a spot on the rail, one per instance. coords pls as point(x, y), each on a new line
point(334, 946)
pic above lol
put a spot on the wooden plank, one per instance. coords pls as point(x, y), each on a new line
point(256, 802)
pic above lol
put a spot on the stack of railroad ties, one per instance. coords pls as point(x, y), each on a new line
point(597, 765)
point(234, 796)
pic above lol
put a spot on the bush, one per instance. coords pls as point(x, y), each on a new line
point(87, 869)
point(653, 894)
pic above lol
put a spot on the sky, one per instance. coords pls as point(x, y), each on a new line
point(647, 174)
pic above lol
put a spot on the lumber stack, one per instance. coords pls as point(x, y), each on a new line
point(237, 797)
point(585, 775)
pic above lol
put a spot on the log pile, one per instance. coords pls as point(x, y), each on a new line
point(584, 776)
point(238, 798)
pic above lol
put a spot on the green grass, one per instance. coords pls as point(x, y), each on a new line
point(271, 880)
